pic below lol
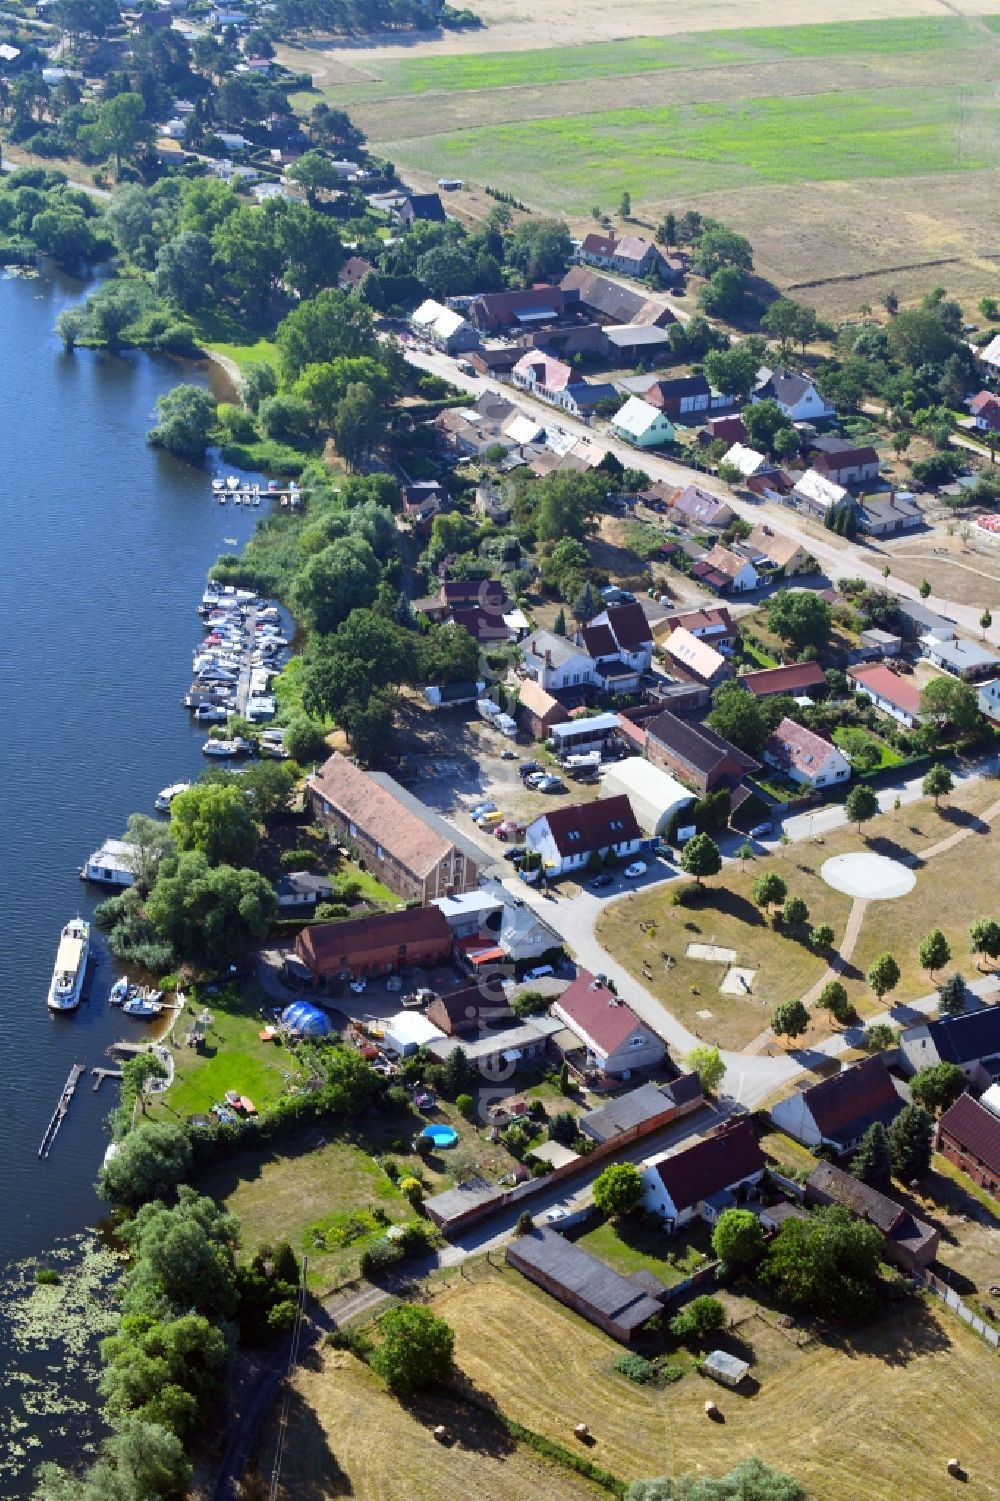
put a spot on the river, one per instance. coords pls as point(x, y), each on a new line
point(105, 546)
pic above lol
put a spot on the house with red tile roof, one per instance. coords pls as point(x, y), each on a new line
point(805, 757)
point(795, 679)
point(985, 407)
point(713, 624)
point(702, 1180)
point(695, 659)
point(567, 837)
point(614, 1039)
point(896, 696)
point(379, 944)
point(969, 1136)
point(838, 1111)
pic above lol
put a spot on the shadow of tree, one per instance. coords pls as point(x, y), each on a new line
point(881, 844)
point(914, 1336)
point(470, 1414)
point(962, 818)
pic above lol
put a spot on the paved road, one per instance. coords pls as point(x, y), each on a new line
point(838, 557)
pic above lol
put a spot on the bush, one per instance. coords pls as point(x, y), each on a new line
point(703, 1316)
point(686, 894)
point(380, 1258)
point(47, 1276)
point(636, 1367)
point(525, 1224)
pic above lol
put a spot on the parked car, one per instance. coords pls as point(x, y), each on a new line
point(539, 972)
point(600, 882)
point(534, 777)
point(516, 854)
point(527, 767)
point(637, 868)
point(482, 810)
point(487, 820)
point(550, 784)
point(508, 755)
point(761, 830)
point(555, 1215)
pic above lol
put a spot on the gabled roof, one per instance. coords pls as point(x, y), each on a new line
point(699, 505)
point(325, 943)
point(544, 369)
point(599, 641)
point(482, 592)
point(792, 745)
point(894, 1220)
point(354, 270)
point(786, 386)
point(628, 625)
point(558, 648)
point(427, 206)
point(966, 1039)
point(975, 1128)
point(845, 1105)
point(717, 619)
point(710, 1165)
point(747, 460)
point(471, 1009)
point(598, 244)
point(611, 1121)
point(778, 547)
point(597, 1012)
point(844, 456)
point(636, 417)
point(728, 563)
point(820, 490)
point(697, 745)
point(610, 300)
point(887, 685)
point(694, 653)
point(633, 247)
point(622, 1300)
point(536, 700)
point(794, 678)
point(582, 827)
point(679, 385)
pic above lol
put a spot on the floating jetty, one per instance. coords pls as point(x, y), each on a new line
point(100, 1074)
point(60, 1112)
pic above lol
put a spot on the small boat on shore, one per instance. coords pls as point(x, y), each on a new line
point(119, 992)
point(166, 796)
point(66, 984)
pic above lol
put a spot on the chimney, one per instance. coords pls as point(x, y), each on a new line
point(548, 660)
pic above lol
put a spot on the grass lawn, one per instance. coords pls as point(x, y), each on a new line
point(754, 655)
point(233, 1057)
point(962, 1185)
point(888, 756)
point(630, 1247)
point(263, 352)
point(347, 1436)
point(847, 1418)
point(786, 966)
point(787, 1154)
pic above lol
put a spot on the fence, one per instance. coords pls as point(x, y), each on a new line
point(948, 1295)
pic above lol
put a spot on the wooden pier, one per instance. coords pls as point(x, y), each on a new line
point(100, 1074)
point(246, 667)
point(59, 1114)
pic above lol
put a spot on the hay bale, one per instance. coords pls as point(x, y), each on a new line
point(955, 1469)
point(581, 1431)
point(711, 1410)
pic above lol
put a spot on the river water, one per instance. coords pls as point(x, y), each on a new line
point(104, 547)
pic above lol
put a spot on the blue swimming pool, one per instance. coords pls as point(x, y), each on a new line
point(441, 1136)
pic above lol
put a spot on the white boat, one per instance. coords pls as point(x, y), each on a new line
point(119, 992)
point(167, 794)
point(220, 748)
point(142, 1005)
point(211, 714)
point(232, 482)
point(71, 966)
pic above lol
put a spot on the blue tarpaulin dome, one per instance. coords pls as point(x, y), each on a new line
point(310, 1021)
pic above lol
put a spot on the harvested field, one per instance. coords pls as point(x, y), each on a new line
point(896, 1398)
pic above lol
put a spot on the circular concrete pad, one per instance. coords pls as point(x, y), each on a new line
point(870, 877)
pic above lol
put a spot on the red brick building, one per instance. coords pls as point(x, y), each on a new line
point(969, 1136)
point(376, 945)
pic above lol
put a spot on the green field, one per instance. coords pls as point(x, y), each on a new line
point(657, 153)
point(706, 49)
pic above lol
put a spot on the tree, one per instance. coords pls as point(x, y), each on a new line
point(150, 840)
point(456, 1073)
point(821, 936)
point(618, 1189)
point(950, 700)
point(150, 1162)
point(985, 621)
point(828, 1263)
point(216, 821)
point(769, 890)
point(341, 578)
point(330, 324)
point(911, 1142)
point(795, 913)
point(924, 588)
point(120, 127)
point(738, 1239)
point(702, 1317)
point(625, 205)
point(701, 857)
point(984, 937)
point(863, 752)
point(356, 424)
point(935, 951)
point(718, 247)
point(833, 998)
point(258, 381)
point(951, 996)
point(872, 1162)
point(764, 420)
point(187, 417)
point(750, 1480)
point(938, 1086)
point(732, 371)
point(314, 171)
point(724, 295)
point(883, 975)
point(184, 269)
point(209, 914)
point(879, 1036)
point(540, 249)
point(559, 627)
point(860, 805)
point(707, 1062)
point(739, 717)
point(799, 617)
point(415, 1349)
point(789, 1019)
point(790, 321)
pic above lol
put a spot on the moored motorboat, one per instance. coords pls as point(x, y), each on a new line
point(145, 1004)
point(66, 984)
point(167, 794)
point(119, 992)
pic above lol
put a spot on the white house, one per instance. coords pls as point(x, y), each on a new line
point(643, 424)
point(567, 837)
point(615, 1040)
point(747, 460)
point(971, 1042)
point(795, 394)
point(817, 494)
point(701, 1181)
point(804, 756)
point(556, 663)
point(111, 865)
point(988, 698)
point(740, 574)
point(300, 888)
point(989, 357)
point(445, 328)
point(840, 1109)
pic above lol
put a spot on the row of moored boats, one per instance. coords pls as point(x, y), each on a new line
point(66, 985)
point(243, 635)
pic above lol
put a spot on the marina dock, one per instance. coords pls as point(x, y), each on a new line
point(246, 663)
point(100, 1074)
point(59, 1114)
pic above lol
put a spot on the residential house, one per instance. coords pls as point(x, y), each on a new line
point(740, 574)
point(795, 394)
point(697, 509)
point(403, 842)
point(112, 865)
point(985, 408)
point(566, 340)
point(543, 375)
point(805, 757)
point(971, 1041)
point(894, 695)
point(704, 1179)
point(556, 663)
point(989, 358)
point(617, 1303)
point(537, 710)
point(918, 622)
point(582, 398)
point(910, 1243)
point(815, 494)
point(713, 624)
point(796, 679)
point(424, 206)
point(469, 1011)
point(779, 552)
point(695, 658)
point(566, 837)
point(641, 1111)
point(844, 463)
point(493, 311)
point(876, 644)
point(729, 430)
point(301, 888)
point(443, 327)
point(631, 633)
point(683, 396)
point(423, 500)
point(654, 794)
point(353, 272)
point(747, 460)
point(884, 516)
point(962, 658)
point(969, 1136)
point(610, 302)
point(598, 249)
point(634, 255)
point(613, 1041)
point(838, 1111)
point(611, 672)
point(496, 1052)
point(495, 362)
point(696, 754)
point(988, 698)
point(380, 944)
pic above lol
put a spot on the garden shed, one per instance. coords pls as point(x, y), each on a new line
point(725, 1368)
